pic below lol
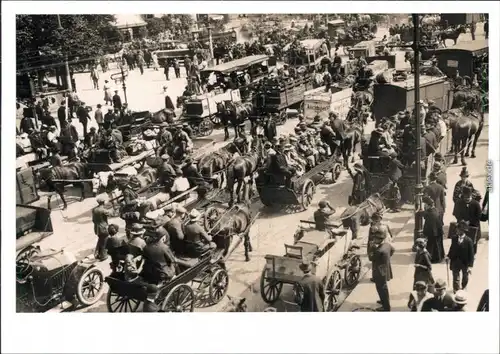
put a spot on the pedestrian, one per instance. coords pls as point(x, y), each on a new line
point(94, 76)
point(83, 117)
point(187, 65)
point(361, 184)
point(433, 231)
point(140, 64)
point(154, 59)
point(461, 257)
point(177, 69)
point(61, 113)
point(166, 69)
point(98, 116)
point(418, 296)
point(464, 182)
point(437, 193)
point(322, 215)
point(460, 300)
point(439, 171)
point(469, 210)
point(313, 290)
point(168, 101)
point(107, 93)
point(380, 256)
point(100, 219)
point(422, 264)
point(441, 301)
point(73, 80)
point(109, 119)
point(117, 101)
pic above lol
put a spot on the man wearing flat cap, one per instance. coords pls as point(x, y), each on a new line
point(100, 217)
point(313, 296)
point(380, 256)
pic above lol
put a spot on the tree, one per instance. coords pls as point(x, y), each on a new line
point(155, 26)
point(40, 41)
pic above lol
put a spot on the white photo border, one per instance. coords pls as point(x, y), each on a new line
point(250, 332)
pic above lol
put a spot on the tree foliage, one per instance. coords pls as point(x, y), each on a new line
point(40, 41)
point(155, 26)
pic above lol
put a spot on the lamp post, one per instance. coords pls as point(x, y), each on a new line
point(416, 65)
point(66, 65)
point(123, 84)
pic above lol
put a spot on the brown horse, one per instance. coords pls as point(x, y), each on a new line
point(212, 166)
point(470, 99)
point(453, 35)
point(355, 216)
point(353, 136)
point(243, 167)
point(465, 129)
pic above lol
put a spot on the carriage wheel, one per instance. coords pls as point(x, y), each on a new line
point(90, 286)
point(346, 48)
point(118, 303)
point(336, 170)
point(333, 288)
point(179, 299)
point(298, 293)
point(218, 286)
point(206, 127)
point(23, 261)
point(270, 289)
point(212, 215)
point(353, 271)
point(307, 193)
point(215, 120)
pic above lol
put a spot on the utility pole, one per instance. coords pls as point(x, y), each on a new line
point(68, 76)
point(123, 84)
point(416, 66)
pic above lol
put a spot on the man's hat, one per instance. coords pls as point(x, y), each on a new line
point(466, 192)
point(460, 297)
point(464, 172)
point(302, 124)
point(432, 176)
point(377, 215)
point(358, 166)
point(165, 157)
point(100, 199)
point(440, 284)
point(421, 241)
point(116, 90)
point(288, 147)
point(188, 161)
point(379, 234)
point(194, 215)
point(323, 204)
point(137, 229)
point(463, 225)
point(292, 138)
point(436, 165)
point(401, 114)
point(305, 266)
point(438, 157)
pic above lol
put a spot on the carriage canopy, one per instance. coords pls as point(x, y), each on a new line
point(462, 57)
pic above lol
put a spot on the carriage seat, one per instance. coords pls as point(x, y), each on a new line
point(185, 262)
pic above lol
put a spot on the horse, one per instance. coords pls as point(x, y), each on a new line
point(226, 117)
point(353, 136)
point(243, 167)
point(465, 131)
point(355, 216)
point(453, 35)
point(470, 99)
point(212, 166)
point(224, 223)
point(55, 178)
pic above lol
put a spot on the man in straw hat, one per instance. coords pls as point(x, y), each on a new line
point(197, 240)
point(136, 233)
point(159, 261)
point(380, 256)
point(461, 257)
point(441, 301)
point(100, 217)
point(314, 292)
point(174, 227)
point(469, 210)
point(361, 186)
point(460, 300)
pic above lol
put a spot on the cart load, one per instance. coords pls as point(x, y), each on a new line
point(331, 252)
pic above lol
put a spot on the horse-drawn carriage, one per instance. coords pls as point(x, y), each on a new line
point(330, 252)
point(273, 188)
point(46, 278)
point(276, 95)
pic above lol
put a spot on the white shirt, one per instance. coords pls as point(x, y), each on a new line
point(443, 127)
point(181, 184)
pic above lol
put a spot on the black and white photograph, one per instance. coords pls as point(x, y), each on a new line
point(236, 161)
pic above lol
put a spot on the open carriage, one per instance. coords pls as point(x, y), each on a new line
point(273, 189)
point(49, 277)
point(198, 281)
point(331, 253)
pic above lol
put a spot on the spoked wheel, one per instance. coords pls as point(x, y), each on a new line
point(307, 193)
point(206, 127)
point(118, 303)
point(218, 286)
point(346, 48)
point(333, 288)
point(179, 299)
point(270, 289)
point(298, 293)
point(336, 170)
point(215, 120)
point(23, 262)
point(90, 286)
point(212, 215)
point(353, 271)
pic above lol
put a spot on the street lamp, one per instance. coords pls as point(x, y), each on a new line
point(66, 65)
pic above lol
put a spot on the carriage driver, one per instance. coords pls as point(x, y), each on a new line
point(196, 239)
point(322, 215)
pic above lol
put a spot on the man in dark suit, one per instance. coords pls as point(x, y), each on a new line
point(437, 193)
point(441, 302)
point(314, 292)
point(439, 171)
point(117, 101)
point(461, 256)
point(83, 117)
point(100, 220)
point(468, 209)
point(380, 256)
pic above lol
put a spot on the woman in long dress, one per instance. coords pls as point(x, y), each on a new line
point(107, 92)
point(433, 231)
point(154, 59)
point(423, 265)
